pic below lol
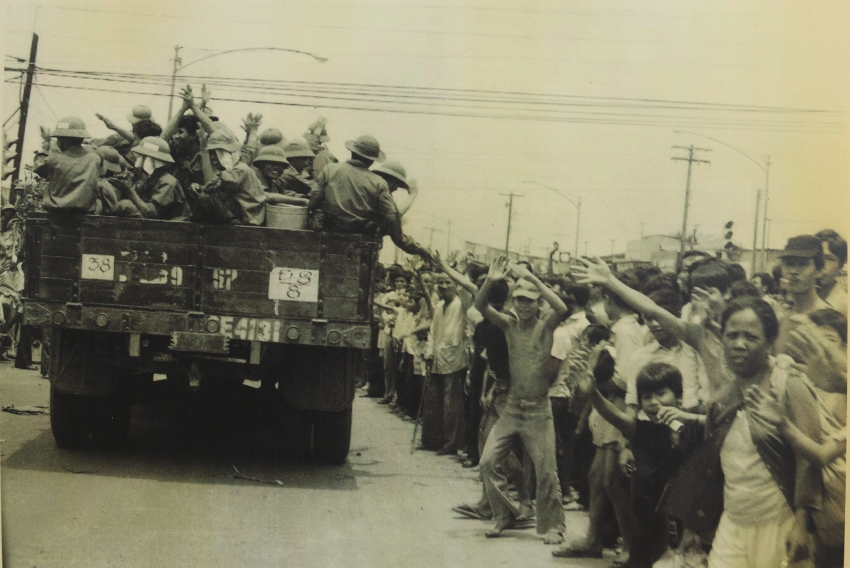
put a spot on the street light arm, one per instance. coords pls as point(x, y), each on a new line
point(750, 158)
point(574, 204)
point(217, 53)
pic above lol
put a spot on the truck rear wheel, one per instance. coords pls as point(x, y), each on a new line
point(69, 419)
point(111, 420)
point(332, 436)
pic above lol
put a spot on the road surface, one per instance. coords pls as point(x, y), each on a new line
point(162, 502)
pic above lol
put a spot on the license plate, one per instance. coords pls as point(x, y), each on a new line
point(294, 284)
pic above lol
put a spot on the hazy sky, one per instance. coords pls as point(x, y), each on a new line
point(605, 85)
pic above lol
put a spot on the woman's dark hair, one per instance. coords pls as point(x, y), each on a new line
point(579, 292)
point(736, 272)
point(498, 292)
point(475, 269)
point(828, 317)
point(146, 127)
point(835, 243)
point(596, 333)
point(713, 274)
point(189, 123)
point(667, 298)
point(776, 271)
point(656, 376)
point(604, 369)
point(666, 280)
point(767, 282)
point(763, 311)
point(743, 288)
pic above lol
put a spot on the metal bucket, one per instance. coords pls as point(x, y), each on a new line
point(282, 216)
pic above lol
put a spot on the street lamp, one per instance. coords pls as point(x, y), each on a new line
point(766, 170)
point(573, 203)
point(178, 63)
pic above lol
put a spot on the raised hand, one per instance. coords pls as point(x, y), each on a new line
point(109, 124)
point(187, 96)
point(820, 360)
point(499, 269)
point(252, 122)
point(592, 271)
point(205, 95)
point(764, 405)
point(203, 136)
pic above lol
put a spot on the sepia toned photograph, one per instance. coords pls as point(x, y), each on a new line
point(424, 284)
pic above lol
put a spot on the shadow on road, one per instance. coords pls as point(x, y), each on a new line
point(165, 446)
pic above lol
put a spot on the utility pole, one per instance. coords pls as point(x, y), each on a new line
point(22, 119)
point(177, 62)
point(690, 159)
point(755, 233)
point(764, 235)
point(510, 206)
point(431, 237)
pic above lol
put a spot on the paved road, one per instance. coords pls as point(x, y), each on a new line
point(161, 503)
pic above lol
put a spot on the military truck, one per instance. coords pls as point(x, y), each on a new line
point(207, 306)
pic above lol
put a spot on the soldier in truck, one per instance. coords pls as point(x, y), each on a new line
point(73, 172)
point(351, 199)
point(153, 193)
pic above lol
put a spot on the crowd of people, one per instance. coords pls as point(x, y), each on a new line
point(698, 417)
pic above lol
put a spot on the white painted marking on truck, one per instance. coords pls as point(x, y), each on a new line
point(164, 257)
point(294, 284)
point(98, 267)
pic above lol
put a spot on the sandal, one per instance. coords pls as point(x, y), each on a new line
point(470, 512)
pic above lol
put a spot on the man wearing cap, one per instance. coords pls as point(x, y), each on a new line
point(356, 200)
point(298, 179)
point(233, 192)
point(181, 133)
point(396, 176)
point(316, 136)
point(527, 415)
point(73, 172)
point(801, 262)
point(153, 193)
point(269, 166)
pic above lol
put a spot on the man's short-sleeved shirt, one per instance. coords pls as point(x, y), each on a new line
point(356, 198)
point(73, 176)
point(565, 337)
point(447, 339)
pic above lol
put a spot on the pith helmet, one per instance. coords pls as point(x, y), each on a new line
point(70, 127)
point(111, 158)
point(394, 170)
point(270, 136)
point(221, 139)
point(297, 149)
point(366, 146)
point(269, 154)
point(154, 147)
point(140, 112)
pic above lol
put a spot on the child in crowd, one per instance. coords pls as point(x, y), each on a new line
point(661, 436)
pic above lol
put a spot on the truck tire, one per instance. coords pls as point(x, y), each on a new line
point(69, 419)
point(332, 436)
point(111, 420)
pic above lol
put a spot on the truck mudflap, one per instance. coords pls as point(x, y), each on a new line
point(86, 362)
point(315, 378)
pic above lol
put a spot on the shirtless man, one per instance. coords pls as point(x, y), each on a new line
point(527, 415)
